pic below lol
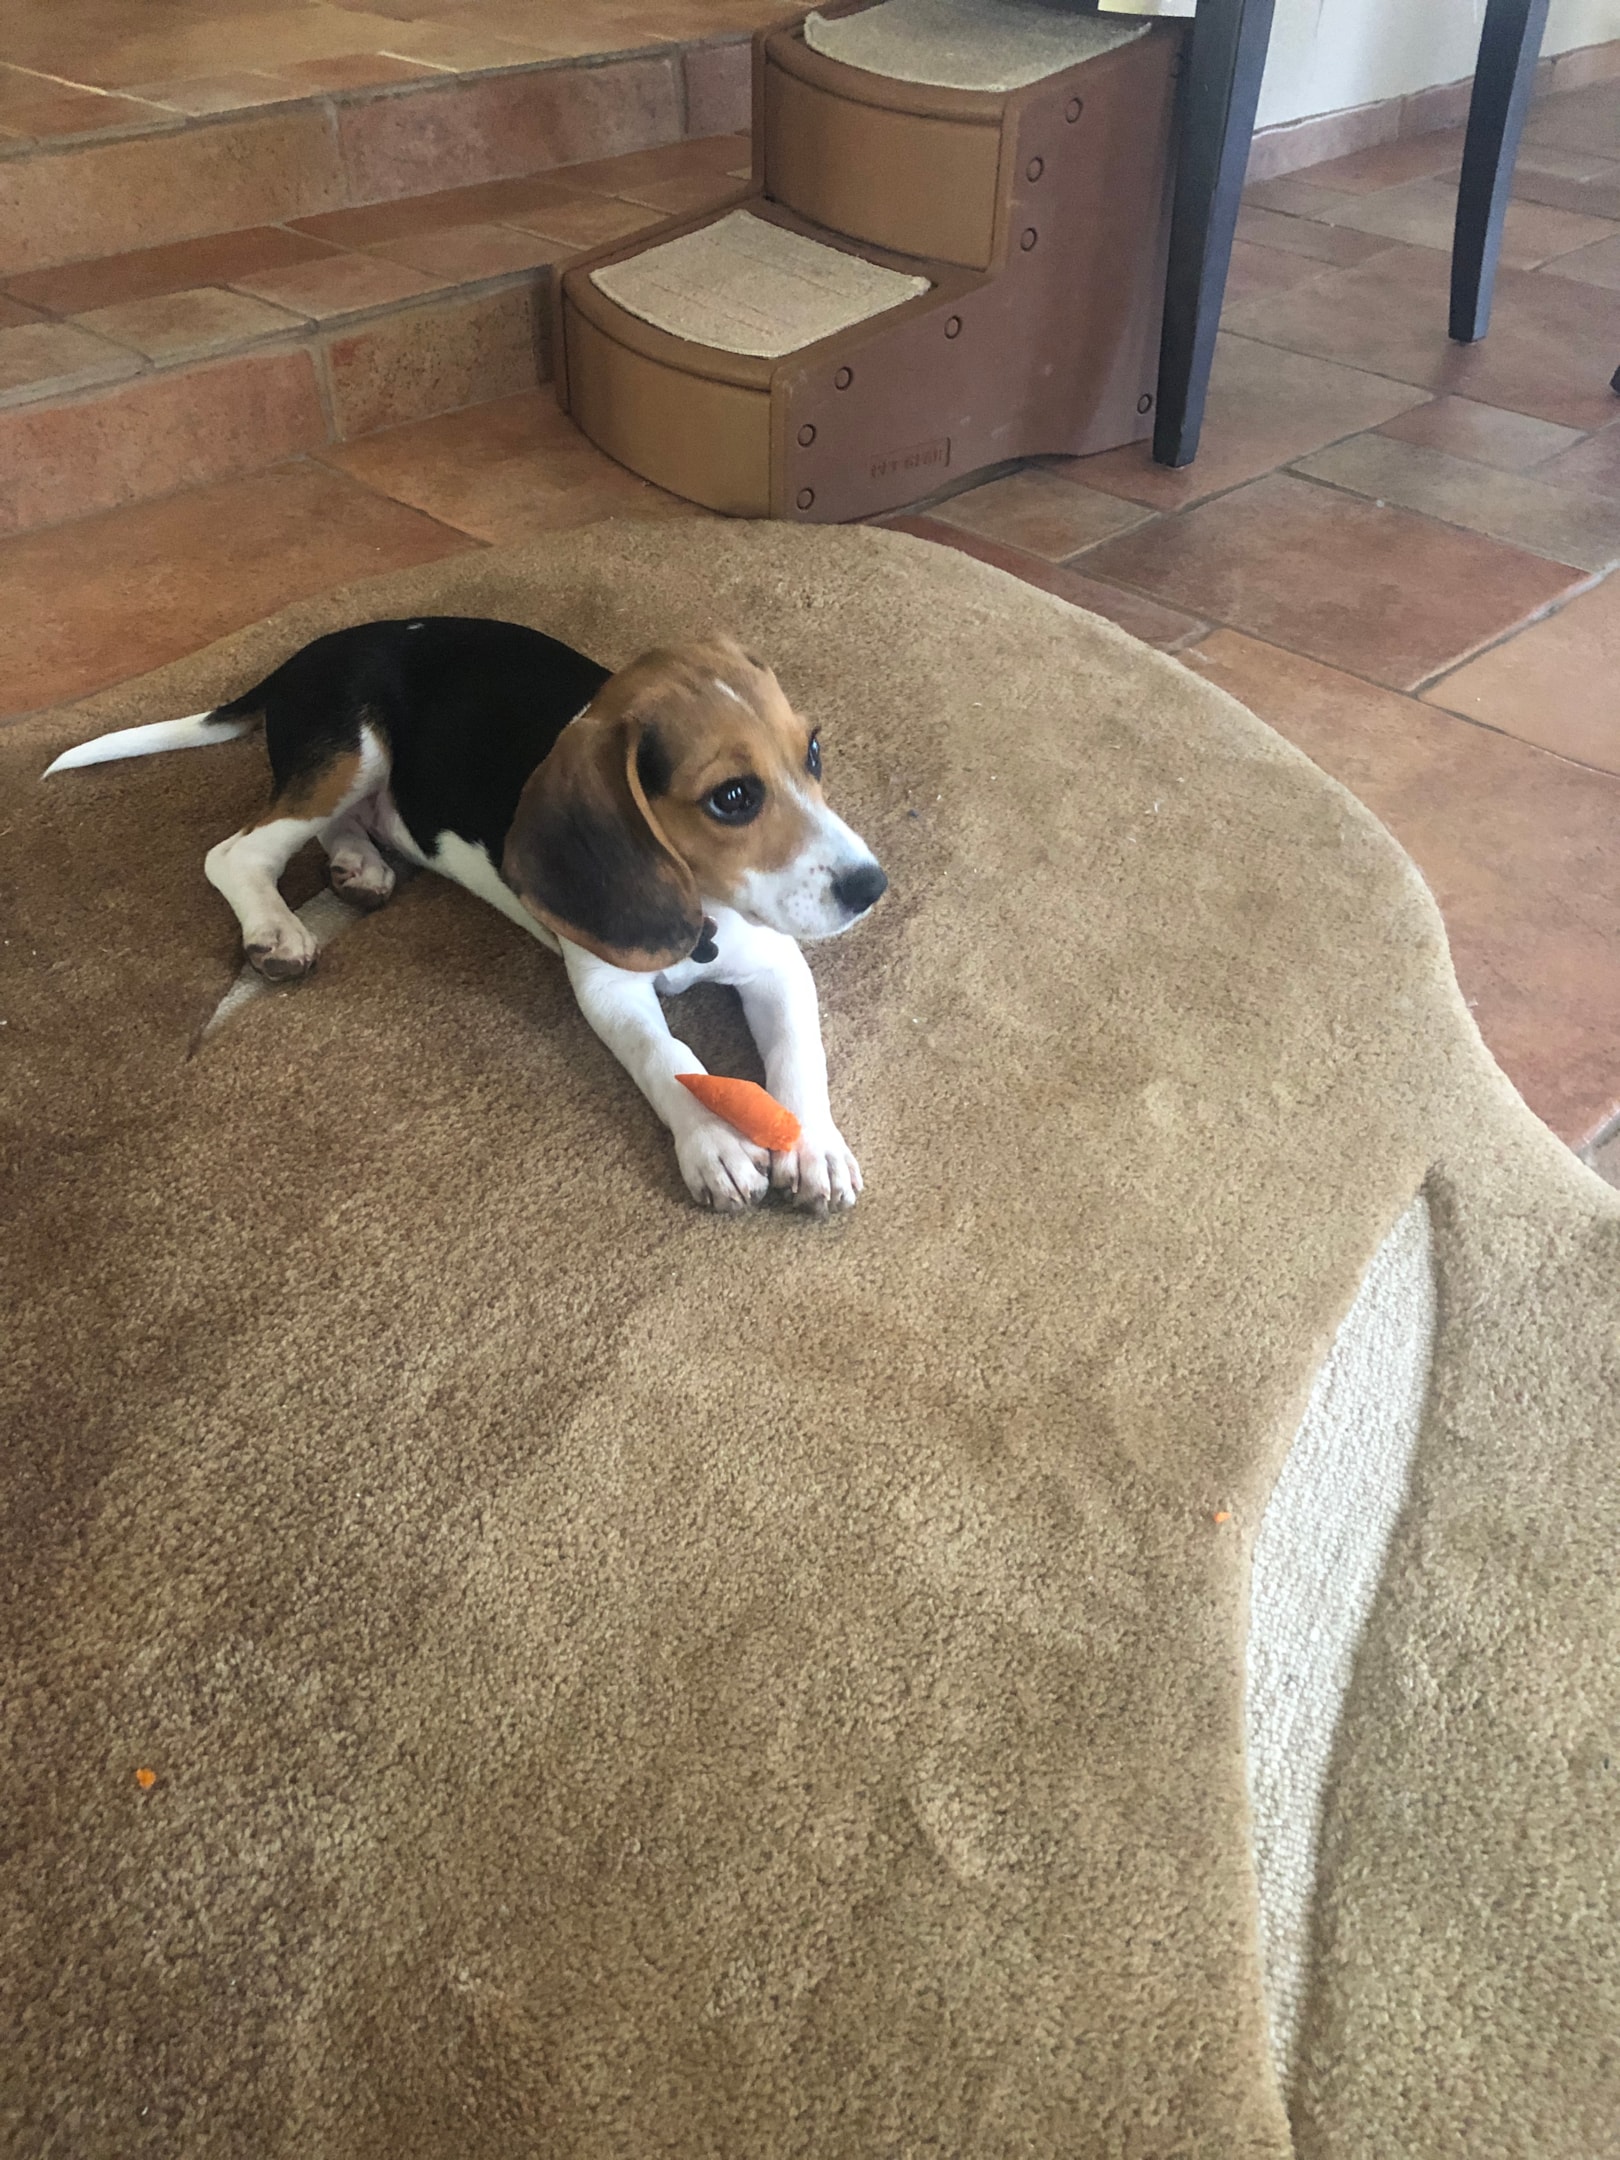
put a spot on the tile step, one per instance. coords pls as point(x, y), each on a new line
point(130, 375)
point(143, 182)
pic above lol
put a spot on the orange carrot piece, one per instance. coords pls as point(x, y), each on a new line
point(146, 1779)
point(748, 1109)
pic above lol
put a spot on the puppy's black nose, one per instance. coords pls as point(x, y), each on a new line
point(857, 890)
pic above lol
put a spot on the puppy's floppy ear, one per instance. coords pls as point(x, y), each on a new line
point(586, 855)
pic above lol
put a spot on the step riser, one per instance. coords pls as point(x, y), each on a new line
point(298, 160)
point(187, 426)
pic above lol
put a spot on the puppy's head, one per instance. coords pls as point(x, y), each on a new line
point(688, 781)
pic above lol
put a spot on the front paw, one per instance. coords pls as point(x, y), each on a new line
point(722, 1170)
point(820, 1172)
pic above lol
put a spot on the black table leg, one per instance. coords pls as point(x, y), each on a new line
point(1503, 78)
point(1220, 88)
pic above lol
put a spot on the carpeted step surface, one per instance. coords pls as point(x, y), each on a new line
point(624, 1683)
point(744, 285)
point(994, 45)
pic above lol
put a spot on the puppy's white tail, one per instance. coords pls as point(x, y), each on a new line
point(187, 734)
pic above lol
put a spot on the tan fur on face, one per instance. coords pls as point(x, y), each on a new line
point(611, 846)
point(718, 714)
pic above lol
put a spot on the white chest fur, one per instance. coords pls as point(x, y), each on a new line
point(469, 864)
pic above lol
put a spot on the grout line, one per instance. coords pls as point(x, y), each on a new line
point(407, 303)
point(1590, 580)
point(1529, 622)
point(1219, 494)
point(1489, 727)
point(1382, 502)
point(340, 150)
point(272, 342)
point(320, 463)
point(1214, 622)
point(305, 458)
point(325, 390)
point(401, 502)
point(317, 350)
point(298, 335)
point(433, 67)
point(173, 122)
point(1541, 615)
point(683, 95)
point(1414, 694)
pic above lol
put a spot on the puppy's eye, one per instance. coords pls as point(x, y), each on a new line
point(734, 802)
point(812, 758)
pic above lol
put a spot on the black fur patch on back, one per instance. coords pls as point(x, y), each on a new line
point(468, 708)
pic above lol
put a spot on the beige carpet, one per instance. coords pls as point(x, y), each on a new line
point(968, 44)
point(743, 285)
point(623, 1683)
point(1318, 1558)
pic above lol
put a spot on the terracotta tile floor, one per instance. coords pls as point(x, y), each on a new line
point(111, 596)
point(341, 262)
point(1400, 553)
point(1397, 551)
point(74, 68)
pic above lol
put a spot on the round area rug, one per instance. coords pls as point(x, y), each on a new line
point(606, 1680)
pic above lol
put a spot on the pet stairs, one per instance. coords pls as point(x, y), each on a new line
point(950, 253)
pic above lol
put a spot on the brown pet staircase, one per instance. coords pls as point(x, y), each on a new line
point(950, 253)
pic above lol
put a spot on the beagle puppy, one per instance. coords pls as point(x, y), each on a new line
point(657, 827)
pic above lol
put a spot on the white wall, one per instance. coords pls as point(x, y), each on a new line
point(1330, 54)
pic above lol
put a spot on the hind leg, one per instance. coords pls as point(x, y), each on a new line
point(354, 862)
point(246, 868)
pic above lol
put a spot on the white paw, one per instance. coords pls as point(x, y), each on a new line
point(366, 880)
point(722, 1170)
point(820, 1173)
point(282, 949)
